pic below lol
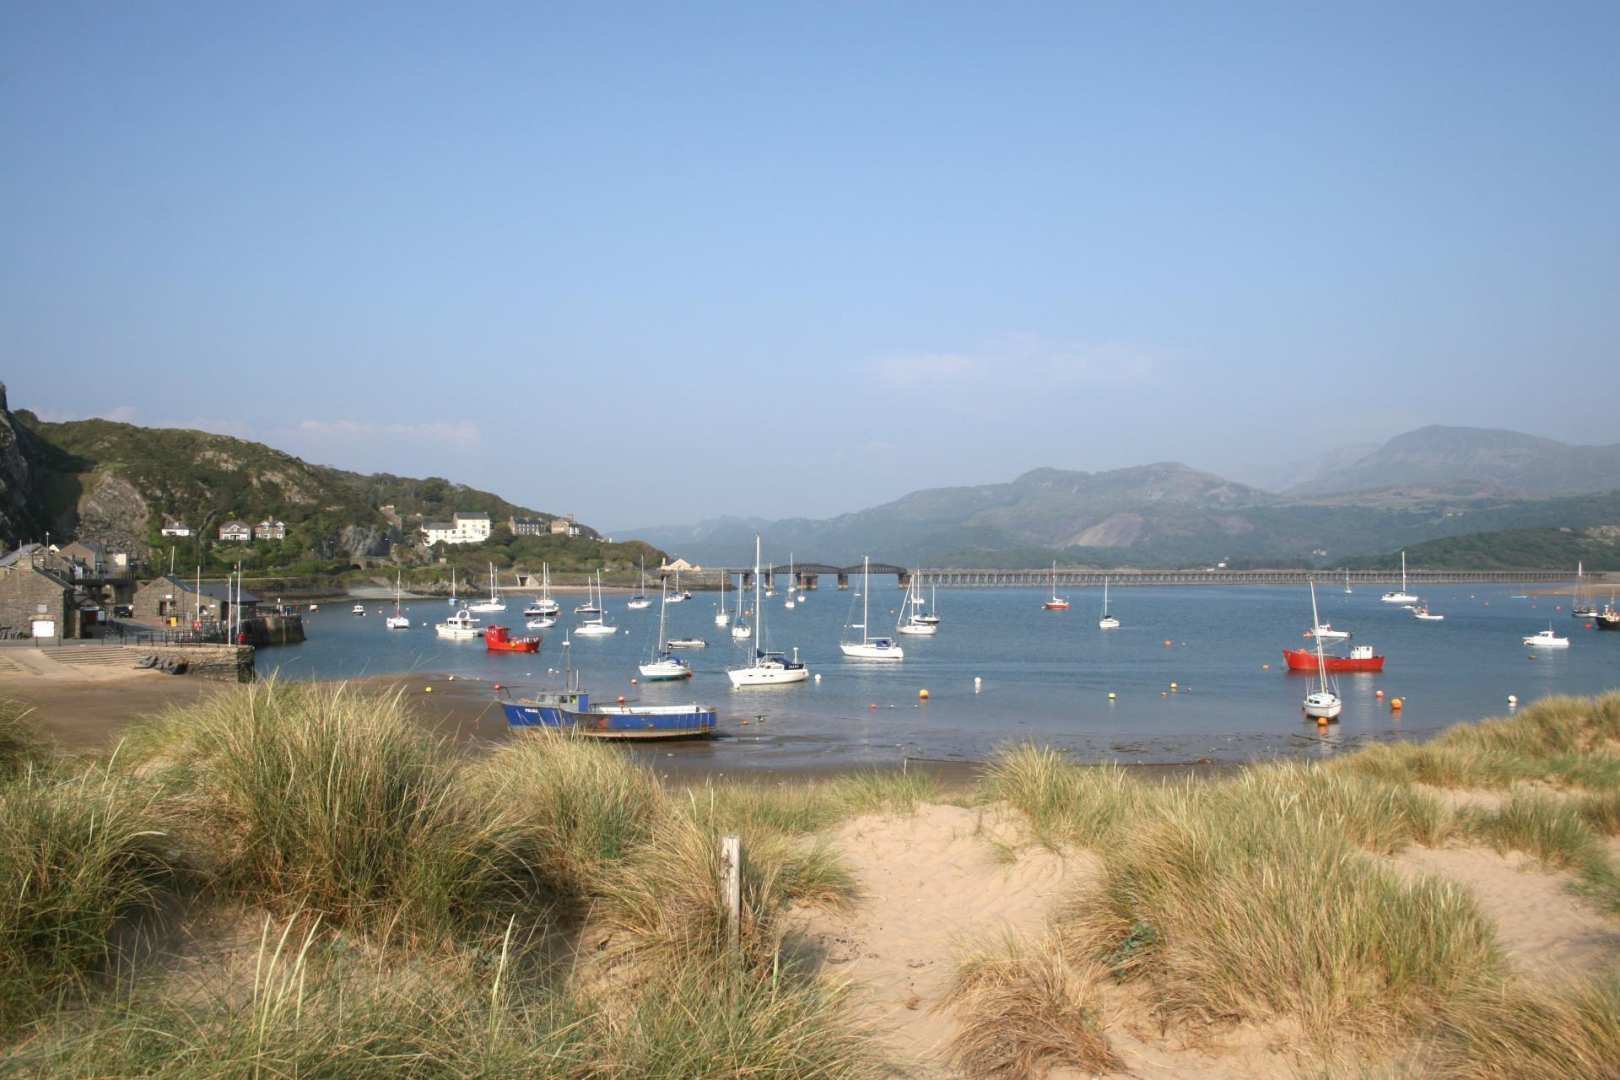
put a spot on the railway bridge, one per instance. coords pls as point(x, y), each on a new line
point(807, 576)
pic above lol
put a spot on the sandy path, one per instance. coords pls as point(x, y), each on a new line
point(930, 883)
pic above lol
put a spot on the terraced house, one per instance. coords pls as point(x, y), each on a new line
point(36, 598)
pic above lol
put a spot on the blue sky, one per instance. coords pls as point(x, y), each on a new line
point(655, 263)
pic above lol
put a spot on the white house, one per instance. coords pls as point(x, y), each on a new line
point(461, 529)
point(237, 532)
point(270, 529)
point(172, 527)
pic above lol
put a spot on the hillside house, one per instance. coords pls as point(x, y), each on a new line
point(174, 601)
point(36, 601)
point(564, 526)
point(527, 526)
point(235, 532)
point(270, 529)
point(460, 529)
point(175, 527)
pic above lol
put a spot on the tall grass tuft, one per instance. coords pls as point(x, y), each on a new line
point(1065, 802)
point(326, 798)
point(77, 856)
point(1530, 1030)
point(1022, 1010)
point(1232, 904)
point(585, 804)
point(666, 896)
point(1558, 832)
point(21, 745)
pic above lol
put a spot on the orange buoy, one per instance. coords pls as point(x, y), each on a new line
point(922, 695)
point(427, 689)
point(497, 686)
point(1167, 643)
point(1396, 704)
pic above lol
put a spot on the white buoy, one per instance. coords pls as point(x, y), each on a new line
point(978, 684)
point(818, 676)
point(1513, 699)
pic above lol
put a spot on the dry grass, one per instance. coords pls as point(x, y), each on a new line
point(1519, 1030)
point(21, 744)
point(1024, 1009)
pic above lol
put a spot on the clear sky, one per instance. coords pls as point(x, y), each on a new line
point(655, 263)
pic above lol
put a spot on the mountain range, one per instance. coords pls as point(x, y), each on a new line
point(1423, 485)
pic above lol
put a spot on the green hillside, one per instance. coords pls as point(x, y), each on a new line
point(1510, 549)
point(117, 482)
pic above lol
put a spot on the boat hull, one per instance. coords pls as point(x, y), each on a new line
point(749, 677)
point(1608, 622)
point(499, 639)
point(1305, 660)
point(871, 651)
point(626, 722)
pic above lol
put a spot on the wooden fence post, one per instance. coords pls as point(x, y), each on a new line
point(731, 887)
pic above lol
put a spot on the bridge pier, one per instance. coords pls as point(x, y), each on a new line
point(806, 582)
point(843, 581)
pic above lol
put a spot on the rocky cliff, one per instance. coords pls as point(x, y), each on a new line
point(19, 479)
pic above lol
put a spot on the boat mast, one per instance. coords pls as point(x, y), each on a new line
point(866, 595)
point(759, 609)
point(1316, 621)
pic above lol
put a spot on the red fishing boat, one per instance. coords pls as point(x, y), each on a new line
point(500, 639)
point(1361, 658)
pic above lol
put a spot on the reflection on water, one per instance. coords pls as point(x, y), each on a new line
point(1044, 676)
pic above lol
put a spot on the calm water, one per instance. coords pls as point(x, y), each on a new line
point(1046, 676)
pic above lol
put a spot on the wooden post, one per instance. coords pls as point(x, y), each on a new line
point(731, 887)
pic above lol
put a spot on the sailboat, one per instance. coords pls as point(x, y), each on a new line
point(452, 586)
point(792, 583)
point(868, 648)
point(740, 631)
point(640, 601)
point(679, 596)
point(770, 581)
point(722, 618)
point(1321, 703)
point(596, 625)
point(494, 601)
point(1347, 589)
point(767, 668)
point(1402, 597)
point(1057, 603)
point(545, 607)
point(1590, 611)
point(397, 621)
point(1107, 622)
point(910, 621)
point(664, 667)
point(932, 616)
point(590, 606)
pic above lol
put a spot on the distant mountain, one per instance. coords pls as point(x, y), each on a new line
point(1152, 515)
point(1278, 476)
point(1477, 459)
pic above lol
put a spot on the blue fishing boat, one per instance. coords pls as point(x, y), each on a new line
point(571, 710)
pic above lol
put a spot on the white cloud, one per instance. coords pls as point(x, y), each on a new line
point(911, 370)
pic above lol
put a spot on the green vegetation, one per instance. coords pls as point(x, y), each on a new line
point(1265, 897)
point(1509, 549)
point(417, 911)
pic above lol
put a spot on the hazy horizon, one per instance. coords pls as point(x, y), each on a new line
point(654, 266)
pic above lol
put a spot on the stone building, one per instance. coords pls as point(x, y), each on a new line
point(174, 601)
point(270, 529)
point(237, 532)
point(36, 601)
point(527, 526)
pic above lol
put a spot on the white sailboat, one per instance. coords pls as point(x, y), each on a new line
point(722, 618)
point(1402, 597)
point(1347, 589)
point(494, 601)
point(868, 648)
point(545, 607)
point(931, 616)
point(397, 621)
point(640, 601)
point(740, 631)
point(452, 586)
point(911, 623)
point(1321, 703)
point(1107, 622)
point(596, 625)
point(766, 668)
point(770, 581)
point(664, 667)
point(792, 585)
point(1590, 611)
point(590, 606)
point(679, 596)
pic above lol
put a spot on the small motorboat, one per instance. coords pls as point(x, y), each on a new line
point(1362, 658)
point(1546, 639)
point(462, 625)
point(1608, 618)
point(500, 639)
point(1421, 611)
point(686, 642)
point(358, 609)
point(544, 622)
point(1325, 632)
point(314, 607)
point(572, 710)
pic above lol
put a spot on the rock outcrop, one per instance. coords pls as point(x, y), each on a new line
point(19, 478)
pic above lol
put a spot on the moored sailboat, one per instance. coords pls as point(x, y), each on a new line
point(1056, 603)
point(1401, 597)
point(1107, 622)
point(766, 668)
point(1322, 703)
point(868, 648)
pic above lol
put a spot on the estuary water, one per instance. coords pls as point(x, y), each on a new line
point(1044, 676)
